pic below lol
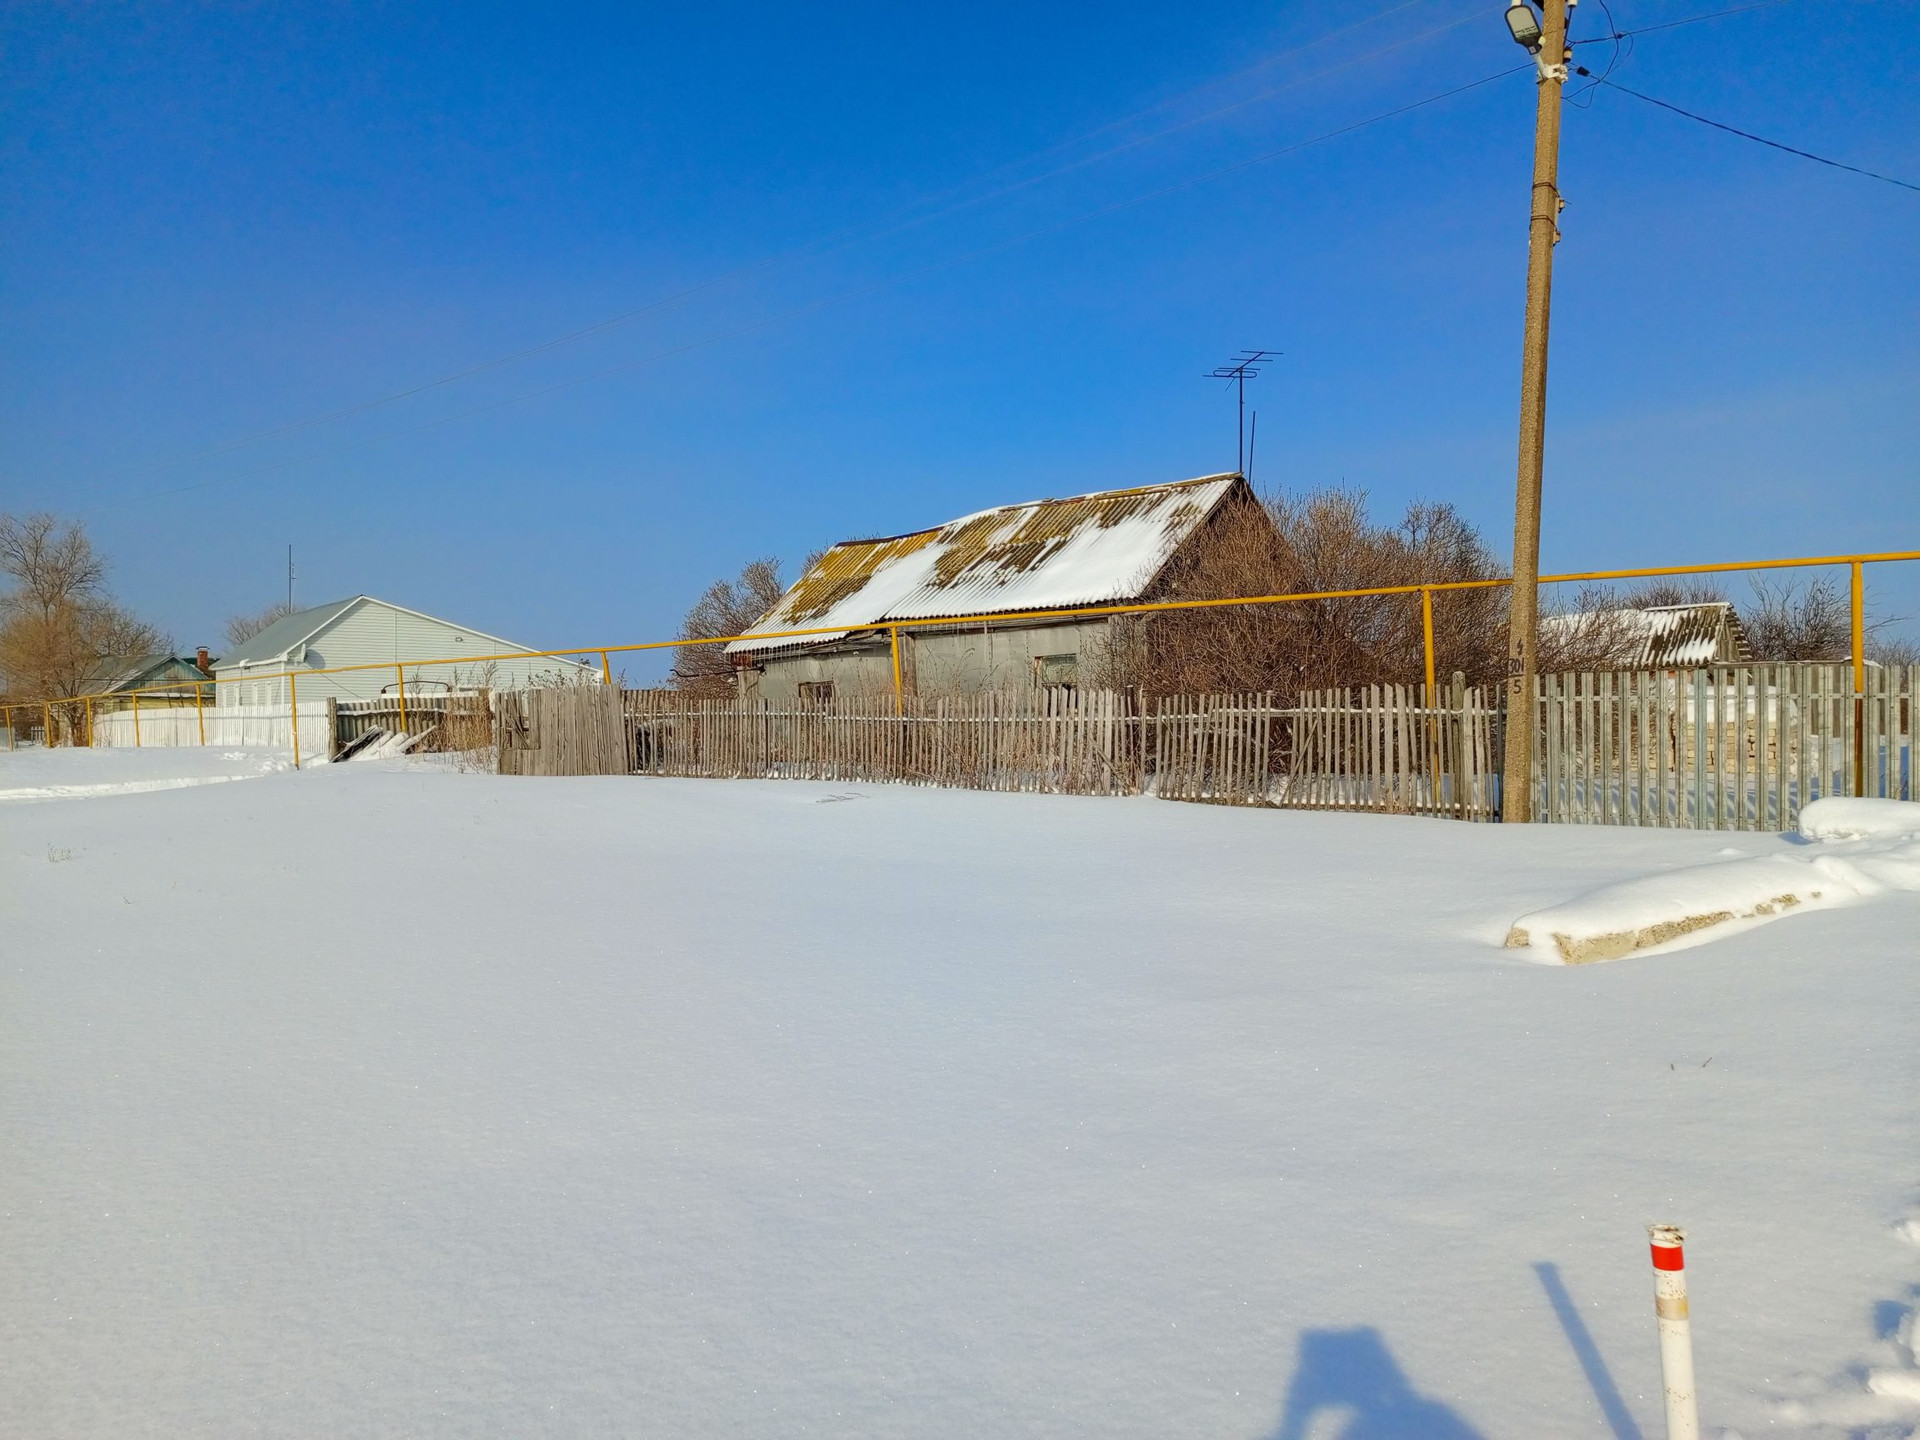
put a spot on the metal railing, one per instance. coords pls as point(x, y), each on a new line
point(1856, 564)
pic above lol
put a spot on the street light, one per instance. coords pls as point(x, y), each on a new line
point(1524, 25)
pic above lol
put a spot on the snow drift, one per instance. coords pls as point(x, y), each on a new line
point(1858, 849)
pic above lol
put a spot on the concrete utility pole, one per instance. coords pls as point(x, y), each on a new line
point(1549, 45)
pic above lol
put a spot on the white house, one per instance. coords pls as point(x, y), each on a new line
point(363, 631)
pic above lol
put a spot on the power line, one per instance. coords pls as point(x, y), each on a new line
point(1746, 135)
point(880, 226)
point(1676, 24)
point(859, 292)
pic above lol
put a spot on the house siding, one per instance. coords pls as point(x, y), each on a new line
point(371, 633)
point(967, 660)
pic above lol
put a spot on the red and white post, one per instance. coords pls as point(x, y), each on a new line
point(1676, 1331)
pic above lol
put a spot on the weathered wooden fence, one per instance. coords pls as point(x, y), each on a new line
point(1080, 743)
point(577, 730)
point(1734, 747)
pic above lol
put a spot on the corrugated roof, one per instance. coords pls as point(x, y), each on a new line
point(135, 671)
point(1661, 637)
point(286, 632)
point(1104, 548)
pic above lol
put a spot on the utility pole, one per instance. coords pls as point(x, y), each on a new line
point(1547, 39)
point(289, 577)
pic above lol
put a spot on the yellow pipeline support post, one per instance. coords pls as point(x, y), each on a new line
point(899, 689)
point(89, 722)
point(606, 669)
point(293, 714)
point(400, 671)
point(136, 719)
point(1859, 679)
point(1426, 626)
point(200, 710)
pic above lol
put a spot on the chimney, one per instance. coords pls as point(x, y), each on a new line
point(200, 660)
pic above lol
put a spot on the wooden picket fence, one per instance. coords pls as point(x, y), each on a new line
point(1734, 747)
point(1060, 741)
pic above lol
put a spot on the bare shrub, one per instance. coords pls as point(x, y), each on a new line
point(1318, 542)
point(728, 607)
point(1894, 651)
point(1812, 620)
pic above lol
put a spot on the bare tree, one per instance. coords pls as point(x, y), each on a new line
point(242, 628)
point(58, 625)
point(728, 607)
point(1811, 621)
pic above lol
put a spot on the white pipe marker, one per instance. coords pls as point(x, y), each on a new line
point(1676, 1331)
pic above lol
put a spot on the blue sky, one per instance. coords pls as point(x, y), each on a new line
point(931, 284)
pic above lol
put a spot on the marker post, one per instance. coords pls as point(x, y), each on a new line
point(1676, 1331)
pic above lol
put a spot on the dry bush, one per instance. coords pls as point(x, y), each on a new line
point(1808, 621)
point(728, 607)
point(1316, 542)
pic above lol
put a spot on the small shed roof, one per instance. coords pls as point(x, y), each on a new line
point(1658, 637)
point(1103, 548)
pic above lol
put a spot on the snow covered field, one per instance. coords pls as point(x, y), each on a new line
point(381, 1100)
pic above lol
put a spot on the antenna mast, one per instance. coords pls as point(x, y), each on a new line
point(1241, 368)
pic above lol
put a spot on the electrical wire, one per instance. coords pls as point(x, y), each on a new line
point(879, 227)
point(1676, 24)
point(815, 307)
point(1748, 135)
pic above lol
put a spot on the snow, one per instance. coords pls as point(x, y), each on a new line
point(1861, 849)
point(387, 1099)
point(1038, 555)
point(57, 774)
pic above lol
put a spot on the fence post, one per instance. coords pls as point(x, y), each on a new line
point(89, 722)
point(200, 709)
point(293, 710)
point(136, 718)
point(401, 673)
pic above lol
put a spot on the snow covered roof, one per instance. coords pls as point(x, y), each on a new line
point(1658, 636)
point(1104, 548)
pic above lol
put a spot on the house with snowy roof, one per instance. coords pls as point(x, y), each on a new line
point(945, 589)
point(387, 645)
point(1652, 637)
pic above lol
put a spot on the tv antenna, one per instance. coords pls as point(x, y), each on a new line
point(1240, 369)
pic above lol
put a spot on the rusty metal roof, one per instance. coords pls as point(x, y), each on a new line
point(1104, 548)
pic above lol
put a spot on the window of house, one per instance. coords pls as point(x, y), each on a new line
point(816, 694)
point(1056, 670)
